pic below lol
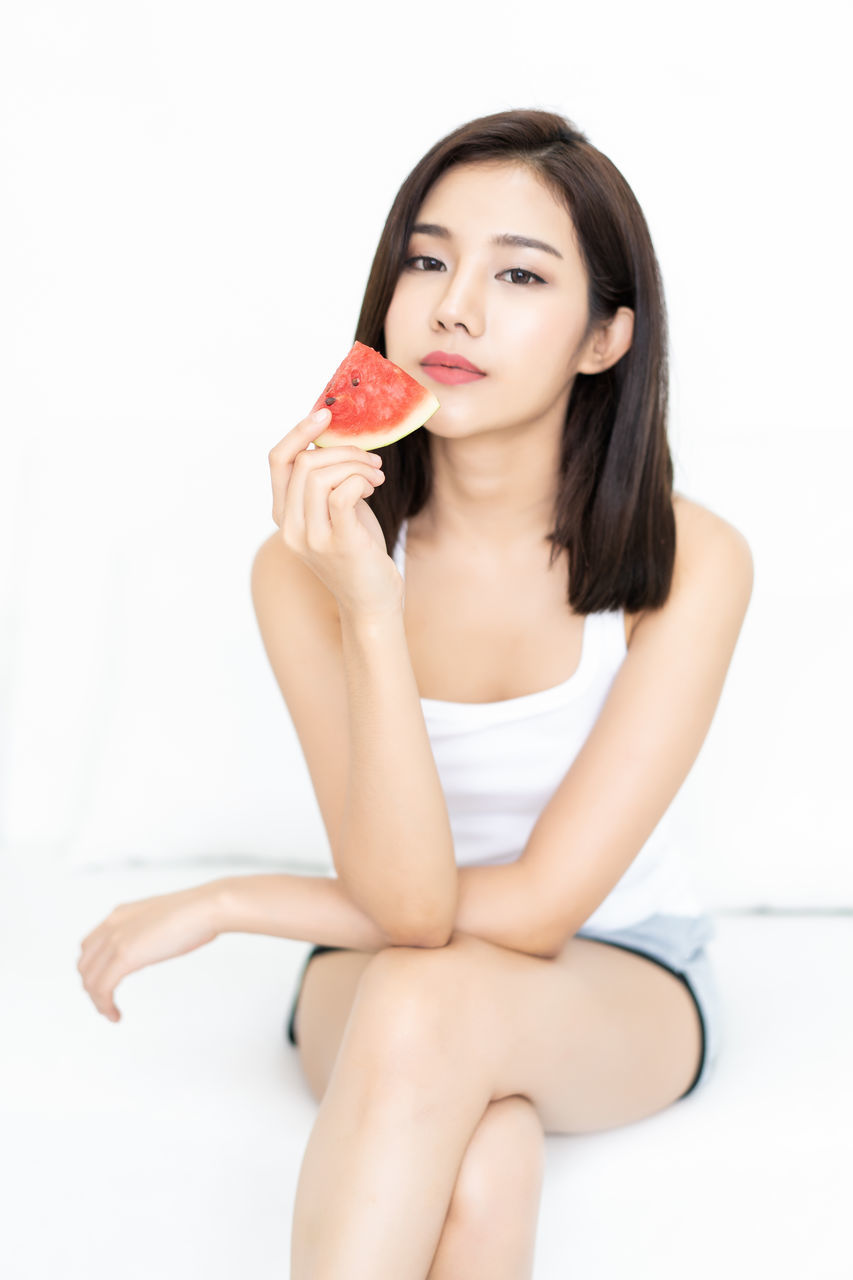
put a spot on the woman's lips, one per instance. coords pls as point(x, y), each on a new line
point(447, 374)
point(449, 367)
point(455, 361)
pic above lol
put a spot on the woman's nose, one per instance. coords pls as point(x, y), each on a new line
point(460, 304)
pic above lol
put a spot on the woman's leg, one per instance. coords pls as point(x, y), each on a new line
point(382, 1159)
point(490, 1227)
point(597, 1038)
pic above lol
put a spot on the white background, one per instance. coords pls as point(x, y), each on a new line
point(191, 198)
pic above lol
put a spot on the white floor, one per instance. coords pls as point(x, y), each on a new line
point(168, 1146)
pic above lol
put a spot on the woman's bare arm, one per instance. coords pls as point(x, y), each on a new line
point(317, 909)
point(324, 661)
point(329, 603)
point(394, 850)
point(306, 908)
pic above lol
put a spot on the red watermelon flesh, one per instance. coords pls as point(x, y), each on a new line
point(373, 401)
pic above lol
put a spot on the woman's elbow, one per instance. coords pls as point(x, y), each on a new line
point(424, 929)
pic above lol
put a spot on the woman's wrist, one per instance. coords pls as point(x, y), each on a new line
point(215, 901)
point(359, 623)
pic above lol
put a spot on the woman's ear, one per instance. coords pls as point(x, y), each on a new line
point(609, 343)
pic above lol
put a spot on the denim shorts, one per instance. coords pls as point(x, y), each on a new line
point(677, 943)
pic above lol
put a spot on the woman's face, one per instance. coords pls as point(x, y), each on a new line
point(516, 311)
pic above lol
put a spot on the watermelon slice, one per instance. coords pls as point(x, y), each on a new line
point(373, 401)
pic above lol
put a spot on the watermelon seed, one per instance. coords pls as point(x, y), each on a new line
point(355, 382)
point(331, 399)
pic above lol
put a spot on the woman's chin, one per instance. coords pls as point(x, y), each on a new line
point(448, 429)
point(447, 425)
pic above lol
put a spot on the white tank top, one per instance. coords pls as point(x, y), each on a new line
point(500, 762)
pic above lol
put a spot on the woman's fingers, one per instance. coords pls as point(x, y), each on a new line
point(90, 949)
point(342, 502)
point(103, 962)
point(317, 507)
point(101, 972)
point(294, 446)
point(307, 513)
point(281, 456)
point(290, 477)
point(299, 437)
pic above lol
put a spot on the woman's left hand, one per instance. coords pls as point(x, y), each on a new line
point(140, 933)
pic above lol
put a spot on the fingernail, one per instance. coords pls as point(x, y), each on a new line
point(320, 415)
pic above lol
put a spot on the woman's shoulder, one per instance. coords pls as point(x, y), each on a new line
point(712, 556)
point(699, 530)
point(700, 534)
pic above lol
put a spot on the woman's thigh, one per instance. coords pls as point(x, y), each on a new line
point(328, 988)
point(598, 1038)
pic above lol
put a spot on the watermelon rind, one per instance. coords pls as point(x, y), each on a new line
point(421, 413)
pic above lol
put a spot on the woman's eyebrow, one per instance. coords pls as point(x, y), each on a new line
point(433, 229)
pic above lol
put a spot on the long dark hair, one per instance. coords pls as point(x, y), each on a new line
point(613, 512)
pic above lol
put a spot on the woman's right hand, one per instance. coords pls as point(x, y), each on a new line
point(318, 504)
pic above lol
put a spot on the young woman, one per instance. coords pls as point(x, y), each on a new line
point(496, 717)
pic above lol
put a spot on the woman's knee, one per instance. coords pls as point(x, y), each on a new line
point(409, 999)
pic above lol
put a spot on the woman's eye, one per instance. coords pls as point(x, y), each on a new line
point(433, 264)
point(421, 258)
point(519, 271)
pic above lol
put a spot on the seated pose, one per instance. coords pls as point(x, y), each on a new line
point(502, 641)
